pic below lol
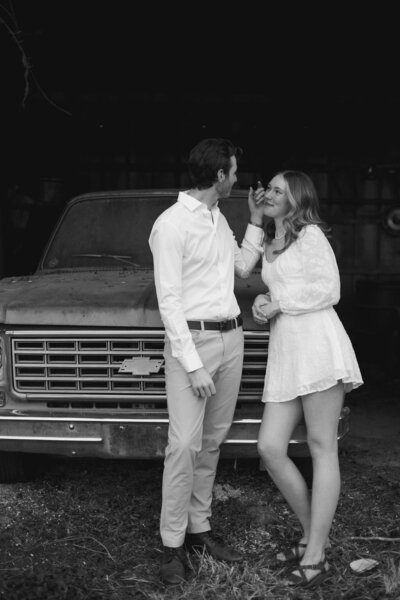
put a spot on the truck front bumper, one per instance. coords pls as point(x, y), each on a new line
point(127, 437)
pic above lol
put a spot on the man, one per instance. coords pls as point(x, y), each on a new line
point(195, 260)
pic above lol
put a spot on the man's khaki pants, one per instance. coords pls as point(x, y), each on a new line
point(197, 427)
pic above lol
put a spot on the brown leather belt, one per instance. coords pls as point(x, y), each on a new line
point(217, 325)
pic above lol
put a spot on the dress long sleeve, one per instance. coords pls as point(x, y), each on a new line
point(314, 281)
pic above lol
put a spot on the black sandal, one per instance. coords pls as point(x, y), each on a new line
point(293, 554)
point(302, 581)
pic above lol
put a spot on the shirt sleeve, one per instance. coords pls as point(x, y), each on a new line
point(319, 284)
point(166, 243)
point(248, 255)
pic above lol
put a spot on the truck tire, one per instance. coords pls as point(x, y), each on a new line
point(13, 467)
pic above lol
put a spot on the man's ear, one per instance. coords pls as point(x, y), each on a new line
point(221, 176)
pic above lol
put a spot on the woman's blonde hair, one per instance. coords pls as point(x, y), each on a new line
point(304, 203)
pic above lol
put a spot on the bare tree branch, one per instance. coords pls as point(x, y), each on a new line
point(47, 98)
point(25, 61)
point(15, 34)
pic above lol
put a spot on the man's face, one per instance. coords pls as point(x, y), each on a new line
point(225, 186)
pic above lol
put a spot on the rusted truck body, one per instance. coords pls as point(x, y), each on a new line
point(82, 369)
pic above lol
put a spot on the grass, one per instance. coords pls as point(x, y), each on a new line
point(88, 529)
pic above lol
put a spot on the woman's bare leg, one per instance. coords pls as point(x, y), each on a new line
point(278, 423)
point(321, 413)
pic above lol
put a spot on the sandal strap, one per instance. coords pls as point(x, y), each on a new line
point(296, 550)
point(321, 566)
point(293, 553)
point(299, 578)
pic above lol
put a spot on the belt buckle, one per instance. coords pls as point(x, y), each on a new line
point(223, 325)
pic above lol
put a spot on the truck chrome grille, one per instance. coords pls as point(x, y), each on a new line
point(86, 367)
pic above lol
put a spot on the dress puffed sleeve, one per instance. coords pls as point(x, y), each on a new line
point(315, 284)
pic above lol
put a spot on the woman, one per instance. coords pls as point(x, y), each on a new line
point(311, 363)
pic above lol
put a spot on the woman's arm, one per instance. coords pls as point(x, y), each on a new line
point(319, 285)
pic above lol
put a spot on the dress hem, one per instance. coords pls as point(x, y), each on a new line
point(350, 383)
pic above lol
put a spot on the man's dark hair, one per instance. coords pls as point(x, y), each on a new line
point(208, 157)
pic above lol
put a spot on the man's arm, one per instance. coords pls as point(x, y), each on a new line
point(248, 255)
point(166, 244)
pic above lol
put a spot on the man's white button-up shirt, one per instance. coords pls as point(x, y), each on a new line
point(195, 258)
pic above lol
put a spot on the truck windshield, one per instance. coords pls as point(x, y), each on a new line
point(109, 233)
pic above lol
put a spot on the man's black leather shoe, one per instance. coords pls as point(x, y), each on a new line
point(206, 542)
point(173, 565)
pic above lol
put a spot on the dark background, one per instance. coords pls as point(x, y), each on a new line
point(115, 94)
point(144, 84)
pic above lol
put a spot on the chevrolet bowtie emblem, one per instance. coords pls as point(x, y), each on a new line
point(141, 365)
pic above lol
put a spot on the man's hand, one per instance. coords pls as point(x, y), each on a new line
point(256, 203)
point(202, 383)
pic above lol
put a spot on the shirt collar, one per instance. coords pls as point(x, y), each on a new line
point(192, 204)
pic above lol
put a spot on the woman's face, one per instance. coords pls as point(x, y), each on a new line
point(276, 202)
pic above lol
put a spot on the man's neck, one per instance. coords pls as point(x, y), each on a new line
point(209, 197)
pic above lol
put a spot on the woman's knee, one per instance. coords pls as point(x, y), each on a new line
point(270, 452)
point(321, 446)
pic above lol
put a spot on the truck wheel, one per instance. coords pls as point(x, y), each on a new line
point(13, 467)
point(304, 464)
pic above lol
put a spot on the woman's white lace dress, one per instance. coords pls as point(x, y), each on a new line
point(309, 349)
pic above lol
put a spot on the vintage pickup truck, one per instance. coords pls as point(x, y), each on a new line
point(81, 342)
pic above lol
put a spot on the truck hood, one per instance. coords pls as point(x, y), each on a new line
point(97, 299)
point(81, 299)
